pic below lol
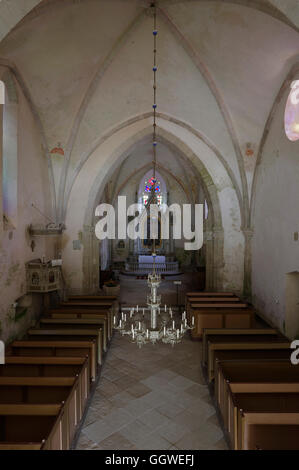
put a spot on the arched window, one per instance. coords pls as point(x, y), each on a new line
point(146, 185)
point(10, 153)
point(291, 116)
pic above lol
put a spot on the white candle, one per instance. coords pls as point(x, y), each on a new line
point(147, 334)
point(139, 325)
point(133, 334)
point(164, 331)
point(177, 334)
point(122, 315)
point(192, 321)
point(182, 327)
point(165, 308)
point(120, 323)
point(173, 324)
point(114, 320)
point(185, 321)
point(137, 309)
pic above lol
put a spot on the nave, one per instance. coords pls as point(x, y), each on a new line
point(151, 398)
point(154, 397)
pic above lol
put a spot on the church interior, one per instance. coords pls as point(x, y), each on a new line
point(135, 342)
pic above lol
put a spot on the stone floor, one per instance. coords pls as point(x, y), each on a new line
point(151, 398)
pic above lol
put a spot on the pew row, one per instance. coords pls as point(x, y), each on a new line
point(221, 316)
point(75, 312)
point(69, 334)
point(39, 391)
point(207, 332)
point(84, 315)
point(261, 420)
point(208, 300)
point(90, 299)
point(249, 376)
point(210, 294)
point(241, 342)
point(68, 355)
point(33, 426)
point(88, 323)
point(50, 368)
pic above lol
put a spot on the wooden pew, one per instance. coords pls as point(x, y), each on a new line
point(207, 295)
point(207, 332)
point(67, 354)
point(96, 305)
point(244, 354)
point(270, 431)
point(259, 376)
point(33, 426)
point(210, 300)
point(89, 323)
point(46, 391)
point(35, 390)
point(96, 298)
point(71, 334)
point(224, 315)
point(77, 312)
point(84, 314)
point(241, 342)
point(91, 298)
point(51, 368)
point(265, 411)
point(210, 294)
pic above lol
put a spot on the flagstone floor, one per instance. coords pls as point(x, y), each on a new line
point(151, 398)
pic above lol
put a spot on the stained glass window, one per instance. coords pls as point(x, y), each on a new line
point(148, 186)
point(150, 183)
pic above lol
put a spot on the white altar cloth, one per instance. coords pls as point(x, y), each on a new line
point(148, 259)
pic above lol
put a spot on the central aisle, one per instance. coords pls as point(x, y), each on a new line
point(151, 398)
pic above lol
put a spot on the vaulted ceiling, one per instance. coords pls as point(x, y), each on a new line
point(87, 68)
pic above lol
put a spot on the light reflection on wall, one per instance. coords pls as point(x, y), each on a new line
point(291, 115)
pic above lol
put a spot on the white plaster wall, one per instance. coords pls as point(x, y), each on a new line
point(275, 219)
point(15, 251)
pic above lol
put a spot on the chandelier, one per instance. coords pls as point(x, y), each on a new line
point(153, 323)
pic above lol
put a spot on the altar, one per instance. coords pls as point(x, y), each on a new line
point(146, 263)
point(143, 264)
point(150, 259)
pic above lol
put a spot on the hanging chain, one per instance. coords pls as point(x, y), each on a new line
point(155, 32)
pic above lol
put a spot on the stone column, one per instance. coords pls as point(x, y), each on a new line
point(90, 260)
point(1, 170)
point(248, 234)
point(209, 245)
point(218, 247)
